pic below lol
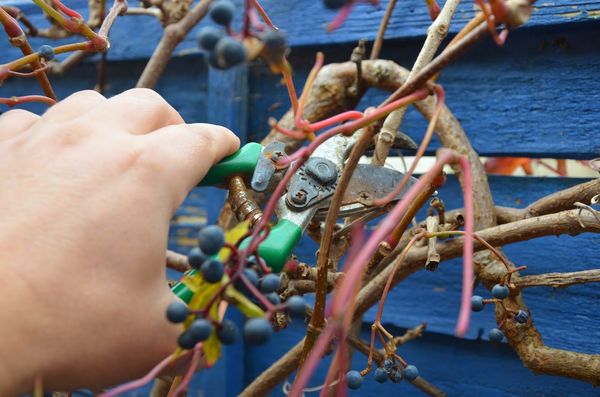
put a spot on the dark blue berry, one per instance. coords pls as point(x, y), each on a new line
point(275, 44)
point(46, 52)
point(296, 307)
point(269, 283)
point(212, 270)
point(477, 303)
point(257, 331)
point(521, 317)
point(230, 52)
point(354, 379)
point(209, 36)
point(211, 239)
point(388, 364)
point(227, 332)
point(200, 329)
point(186, 340)
point(273, 298)
point(177, 312)
point(252, 278)
point(334, 4)
point(196, 258)
point(500, 291)
point(222, 12)
point(381, 375)
point(213, 62)
point(410, 373)
point(496, 335)
point(396, 375)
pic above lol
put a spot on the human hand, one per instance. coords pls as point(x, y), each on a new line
point(87, 191)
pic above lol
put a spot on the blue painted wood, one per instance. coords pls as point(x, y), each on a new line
point(305, 21)
point(529, 98)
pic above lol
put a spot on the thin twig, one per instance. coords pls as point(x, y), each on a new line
point(172, 36)
point(382, 28)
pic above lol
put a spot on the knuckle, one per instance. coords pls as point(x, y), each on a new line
point(147, 95)
point(84, 95)
point(141, 158)
point(17, 113)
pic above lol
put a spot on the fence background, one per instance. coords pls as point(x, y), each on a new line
point(538, 96)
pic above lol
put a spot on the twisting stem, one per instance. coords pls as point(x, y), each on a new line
point(318, 318)
point(172, 36)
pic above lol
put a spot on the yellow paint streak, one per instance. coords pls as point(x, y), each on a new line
point(571, 15)
point(594, 13)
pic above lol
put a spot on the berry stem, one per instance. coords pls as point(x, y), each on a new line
point(263, 14)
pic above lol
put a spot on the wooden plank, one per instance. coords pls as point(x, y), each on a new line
point(305, 21)
point(537, 96)
point(459, 367)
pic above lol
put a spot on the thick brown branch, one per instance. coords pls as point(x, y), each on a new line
point(173, 35)
point(559, 201)
point(558, 280)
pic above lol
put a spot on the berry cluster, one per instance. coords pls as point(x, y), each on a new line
point(200, 326)
point(499, 292)
point(225, 51)
point(391, 369)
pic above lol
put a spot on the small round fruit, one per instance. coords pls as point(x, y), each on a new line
point(477, 303)
point(257, 331)
point(381, 375)
point(275, 44)
point(273, 298)
point(496, 335)
point(222, 12)
point(410, 373)
point(227, 332)
point(388, 364)
point(334, 4)
point(521, 317)
point(354, 379)
point(500, 291)
point(251, 276)
point(212, 270)
point(212, 60)
point(211, 239)
point(186, 340)
point(230, 52)
point(209, 36)
point(196, 258)
point(396, 375)
point(200, 329)
point(46, 52)
point(296, 307)
point(177, 312)
point(269, 283)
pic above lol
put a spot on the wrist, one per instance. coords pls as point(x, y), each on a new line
point(19, 362)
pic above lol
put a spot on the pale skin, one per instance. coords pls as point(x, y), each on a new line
point(87, 191)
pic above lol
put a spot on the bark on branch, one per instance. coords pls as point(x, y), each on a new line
point(558, 280)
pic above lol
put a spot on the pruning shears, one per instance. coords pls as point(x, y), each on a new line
point(308, 193)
